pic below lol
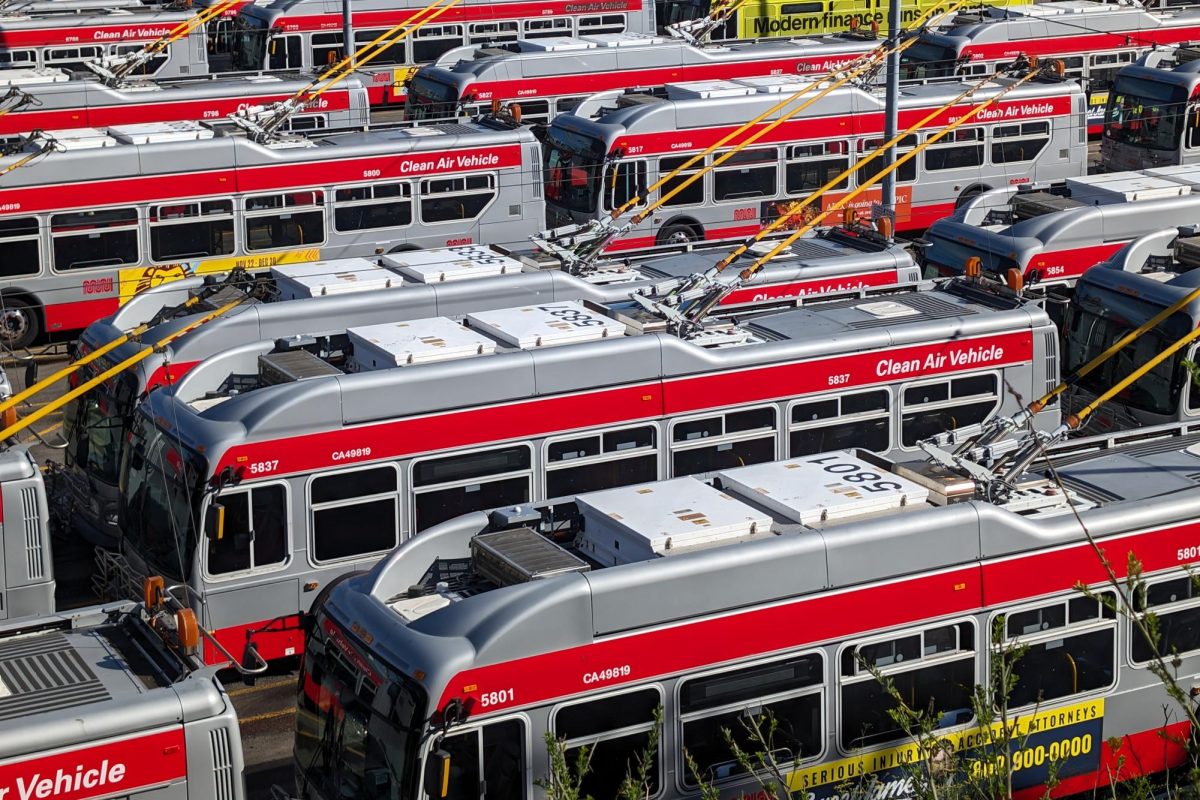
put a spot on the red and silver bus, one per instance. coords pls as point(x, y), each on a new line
point(551, 76)
point(1092, 39)
point(70, 41)
point(98, 216)
point(63, 105)
point(1151, 119)
point(786, 593)
point(110, 702)
point(411, 285)
point(307, 34)
point(1052, 238)
point(598, 157)
point(275, 466)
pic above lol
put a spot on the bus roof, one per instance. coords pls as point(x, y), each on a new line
point(103, 160)
point(459, 597)
point(104, 662)
point(1185, 75)
point(95, 18)
point(1157, 269)
point(306, 394)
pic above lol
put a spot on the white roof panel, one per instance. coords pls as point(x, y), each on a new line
point(815, 489)
point(445, 264)
point(1187, 174)
point(420, 341)
point(636, 523)
point(622, 39)
point(77, 138)
point(333, 276)
point(557, 44)
point(32, 77)
point(529, 327)
point(1119, 187)
point(156, 132)
point(707, 89)
point(773, 84)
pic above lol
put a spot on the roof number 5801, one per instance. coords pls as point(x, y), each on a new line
point(854, 473)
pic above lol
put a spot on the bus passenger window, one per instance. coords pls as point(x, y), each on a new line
point(448, 199)
point(714, 706)
point(542, 28)
point(283, 52)
point(103, 238)
point(191, 230)
point(722, 442)
point(906, 173)
point(855, 420)
point(433, 40)
point(484, 32)
point(1175, 603)
point(931, 408)
point(255, 531)
point(354, 513)
point(962, 148)
point(450, 486)
point(747, 174)
point(933, 668)
point(811, 166)
point(1068, 647)
point(394, 53)
point(579, 464)
point(382, 205)
point(694, 193)
point(21, 247)
point(292, 219)
point(617, 729)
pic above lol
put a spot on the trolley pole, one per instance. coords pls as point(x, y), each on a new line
point(892, 111)
point(347, 33)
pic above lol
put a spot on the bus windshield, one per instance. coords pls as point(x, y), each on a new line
point(250, 48)
point(358, 723)
point(431, 99)
point(1090, 332)
point(161, 490)
point(1145, 113)
point(573, 163)
point(927, 61)
point(93, 423)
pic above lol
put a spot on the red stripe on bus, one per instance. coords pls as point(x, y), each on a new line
point(89, 35)
point(476, 12)
point(1063, 264)
point(795, 289)
point(1133, 39)
point(78, 315)
point(166, 374)
point(800, 622)
point(105, 769)
point(837, 127)
point(226, 181)
point(273, 639)
point(137, 112)
point(537, 417)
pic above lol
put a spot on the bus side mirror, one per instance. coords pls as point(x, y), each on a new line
point(214, 522)
point(437, 774)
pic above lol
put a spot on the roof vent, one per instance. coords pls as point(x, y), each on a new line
point(292, 365)
point(531, 327)
point(521, 555)
point(421, 341)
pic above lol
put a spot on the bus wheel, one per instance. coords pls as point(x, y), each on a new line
point(968, 196)
point(403, 248)
point(19, 324)
point(676, 234)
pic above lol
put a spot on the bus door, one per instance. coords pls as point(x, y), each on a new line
point(486, 763)
point(285, 52)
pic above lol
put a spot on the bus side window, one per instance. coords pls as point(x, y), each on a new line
point(704, 444)
point(255, 531)
point(20, 243)
point(450, 486)
point(862, 419)
point(284, 53)
point(1067, 647)
point(1175, 603)
point(931, 408)
point(933, 668)
point(623, 182)
point(617, 729)
point(1192, 138)
point(354, 513)
point(498, 766)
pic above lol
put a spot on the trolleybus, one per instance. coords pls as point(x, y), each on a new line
point(598, 157)
point(307, 34)
point(104, 214)
point(550, 76)
point(108, 702)
point(92, 104)
point(410, 285)
point(275, 466)
point(1092, 39)
point(785, 593)
point(1052, 238)
point(70, 41)
point(1151, 118)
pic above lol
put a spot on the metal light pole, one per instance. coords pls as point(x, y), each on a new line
point(347, 33)
point(892, 102)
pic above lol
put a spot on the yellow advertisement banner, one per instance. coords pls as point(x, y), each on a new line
point(1029, 735)
point(139, 279)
